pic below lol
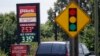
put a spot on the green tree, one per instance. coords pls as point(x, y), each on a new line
point(87, 37)
point(46, 29)
point(52, 13)
point(8, 28)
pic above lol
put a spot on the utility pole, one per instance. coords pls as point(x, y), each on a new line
point(96, 26)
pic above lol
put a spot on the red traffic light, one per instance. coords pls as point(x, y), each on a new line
point(72, 11)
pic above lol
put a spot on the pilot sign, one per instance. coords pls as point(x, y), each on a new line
point(28, 22)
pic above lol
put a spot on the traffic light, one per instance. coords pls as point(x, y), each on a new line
point(72, 19)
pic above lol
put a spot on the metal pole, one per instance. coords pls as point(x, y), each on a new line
point(55, 26)
point(96, 26)
point(74, 46)
point(74, 43)
point(71, 47)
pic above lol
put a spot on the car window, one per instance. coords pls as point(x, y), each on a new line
point(44, 49)
point(81, 51)
point(68, 48)
point(85, 49)
point(58, 49)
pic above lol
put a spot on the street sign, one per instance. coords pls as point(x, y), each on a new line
point(72, 19)
point(19, 50)
point(28, 21)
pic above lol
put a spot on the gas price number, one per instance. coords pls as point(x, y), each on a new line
point(27, 34)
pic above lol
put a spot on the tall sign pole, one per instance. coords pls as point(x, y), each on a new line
point(55, 27)
point(74, 43)
point(96, 26)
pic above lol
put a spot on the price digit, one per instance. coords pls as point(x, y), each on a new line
point(26, 29)
point(23, 39)
point(27, 38)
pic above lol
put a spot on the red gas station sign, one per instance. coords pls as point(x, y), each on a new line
point(19, 50)
point(28, 22)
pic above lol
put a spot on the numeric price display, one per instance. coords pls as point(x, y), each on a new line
point(26, 29)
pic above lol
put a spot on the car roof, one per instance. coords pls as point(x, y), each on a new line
point(53, 42)
point(58, 42)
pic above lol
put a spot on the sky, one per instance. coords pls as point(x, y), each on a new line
point(7, 6)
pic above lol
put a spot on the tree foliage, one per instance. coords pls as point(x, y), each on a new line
point(7, 30)
point(47, 29)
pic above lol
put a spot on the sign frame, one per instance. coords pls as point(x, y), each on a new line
point(37, 37)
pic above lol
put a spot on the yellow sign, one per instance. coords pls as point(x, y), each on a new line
point(72, 19)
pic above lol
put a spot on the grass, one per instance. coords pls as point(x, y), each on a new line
point(2, 53)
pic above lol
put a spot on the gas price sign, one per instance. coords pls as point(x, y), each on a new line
point(28, 22)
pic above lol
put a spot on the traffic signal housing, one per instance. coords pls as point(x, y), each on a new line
point(72, 19)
